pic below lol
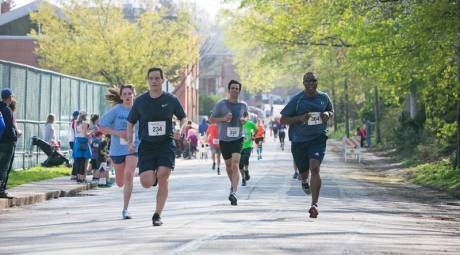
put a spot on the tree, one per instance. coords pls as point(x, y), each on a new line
point(91, 39)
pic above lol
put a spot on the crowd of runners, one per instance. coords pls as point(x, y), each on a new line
point(151, 130)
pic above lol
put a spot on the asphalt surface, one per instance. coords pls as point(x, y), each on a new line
point(355, 216)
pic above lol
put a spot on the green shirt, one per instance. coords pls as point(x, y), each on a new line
point(249, 128)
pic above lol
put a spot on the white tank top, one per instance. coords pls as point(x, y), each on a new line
point(79, 130)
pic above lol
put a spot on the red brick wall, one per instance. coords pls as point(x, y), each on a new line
point(18, 50)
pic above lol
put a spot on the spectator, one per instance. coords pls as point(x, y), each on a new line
point(81, 150)
point(7, 140)
point(192, 140)
point(203, 127)
point(49, 134)
point(73, 125)
point(94, 124)
point(361, 132)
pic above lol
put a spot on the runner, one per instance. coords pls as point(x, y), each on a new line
point(114, 122)
point(213, 140)
point(154, 110)
point(307, 114)
point(228, 114)
point(281, 134)
point(260, 138)
point(250, 129)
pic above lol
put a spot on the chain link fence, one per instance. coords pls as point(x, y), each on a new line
point(38, 93)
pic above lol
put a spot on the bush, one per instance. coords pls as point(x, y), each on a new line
point(440, 175)
point(207, 102)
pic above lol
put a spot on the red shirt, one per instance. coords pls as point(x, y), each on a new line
point(213, 135)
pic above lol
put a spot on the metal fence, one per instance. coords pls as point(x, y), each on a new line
point(39, 92)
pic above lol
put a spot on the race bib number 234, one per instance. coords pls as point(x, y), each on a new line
point(157, 128)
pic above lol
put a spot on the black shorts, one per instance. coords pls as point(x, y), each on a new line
point(245, 155)
point(228, 148)
point(95, 164)
point(155, 154)
point(259, 141)
point(122, 158)
point(304, 151)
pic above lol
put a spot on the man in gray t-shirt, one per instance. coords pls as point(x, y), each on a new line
point(228, 114)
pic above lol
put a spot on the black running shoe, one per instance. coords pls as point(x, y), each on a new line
point(213, 165)
point(243, 182)
point(313, 211)
point(218, 171)
point(306, 187)
point(246, 175)
point(233, 199)
point(156, 220)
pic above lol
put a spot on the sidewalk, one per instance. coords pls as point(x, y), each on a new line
point(36, 192)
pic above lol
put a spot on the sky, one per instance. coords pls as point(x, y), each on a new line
point(211, 6)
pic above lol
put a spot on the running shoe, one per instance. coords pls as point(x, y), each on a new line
point(246, 175)
point(125, 214)
point(306, 187)
point(243, 181)
point(313, 211)
point(156, 220)
point(218, 171)
point(213, 165)
point(233, 199)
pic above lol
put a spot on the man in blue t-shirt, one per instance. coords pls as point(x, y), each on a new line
point(154, 111)
point(307, 114)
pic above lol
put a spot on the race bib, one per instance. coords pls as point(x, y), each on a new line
point(233, 131)
point(215, 141)
point(315, 119)
point(123, 141)
point(157, 128)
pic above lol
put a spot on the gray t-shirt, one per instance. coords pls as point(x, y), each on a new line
point(233, 130)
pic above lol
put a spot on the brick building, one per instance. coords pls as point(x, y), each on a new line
point(15, 44)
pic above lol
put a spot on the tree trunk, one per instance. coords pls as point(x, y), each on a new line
point(347, 115)
point(377, 115)
point(334, 117)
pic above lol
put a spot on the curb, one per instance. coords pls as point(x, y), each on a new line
point(21, 195)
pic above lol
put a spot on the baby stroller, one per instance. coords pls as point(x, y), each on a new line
point(55, 156)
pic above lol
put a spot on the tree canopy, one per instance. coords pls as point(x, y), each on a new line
point(93, 39)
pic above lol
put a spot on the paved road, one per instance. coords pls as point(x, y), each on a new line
point(356, 217)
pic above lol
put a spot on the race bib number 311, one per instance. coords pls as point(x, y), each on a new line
point(157, 128)
point(233, 131)
point(315, 119)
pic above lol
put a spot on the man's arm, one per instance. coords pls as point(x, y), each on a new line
point(288, 120)
point(226, 118)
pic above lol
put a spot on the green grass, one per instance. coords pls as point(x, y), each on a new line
point(36, 174)
point(440, 175)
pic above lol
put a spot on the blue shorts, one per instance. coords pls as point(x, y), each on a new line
point(121, 159)
point(302, 152)
point(155, 154)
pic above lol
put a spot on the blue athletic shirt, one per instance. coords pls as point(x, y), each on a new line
point(155, 116)
point(301, 104)
point(117, 119)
